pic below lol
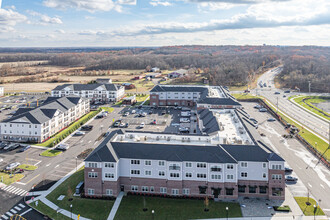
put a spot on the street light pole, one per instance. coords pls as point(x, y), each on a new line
point(152, 213)
point(315, 207)
point(227, 212)
point(71, 210)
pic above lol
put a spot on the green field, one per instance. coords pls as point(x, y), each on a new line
point(9, 179)
point(308, 210)
point(44, 209)
point(89, 208)
point(131, 207)
point(310, 101)
point(243, 96)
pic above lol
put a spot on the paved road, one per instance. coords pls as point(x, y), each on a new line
point(312, 176)
point(311, 121)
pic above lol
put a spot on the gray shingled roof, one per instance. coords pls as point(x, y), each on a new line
point(164, 88)
point(209, 121)
point(46, 111)
point(80, 87)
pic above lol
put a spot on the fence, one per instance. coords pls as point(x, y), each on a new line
point(308, 146)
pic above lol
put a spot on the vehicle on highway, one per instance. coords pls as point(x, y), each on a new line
point(262, 110)
point(277, 93)
point(86, 127)
point(12, 165)
point(133, 111)
point(25, 148)
point(126, 113)
point(142, 125)
point(79, 133)
point(117, 123)
point(288, 170)
point(291, 179)
point(287, 91)
point(257, 106)
point(62, 147)
point(271, 119)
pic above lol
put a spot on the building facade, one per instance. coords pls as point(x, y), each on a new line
point(188, 169)
point(2, 91)
point(37, 125)
point(96, 93)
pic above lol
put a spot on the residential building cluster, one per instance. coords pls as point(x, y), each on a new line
point(38, 124)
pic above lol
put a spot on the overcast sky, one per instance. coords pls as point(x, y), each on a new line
point(43, 23)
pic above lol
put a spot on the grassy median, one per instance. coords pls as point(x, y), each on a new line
point(51, 153)
point(27, 167)
point(9, 179)
point(308, 209)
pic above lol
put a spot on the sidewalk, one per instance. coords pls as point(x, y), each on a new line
point(116, 206)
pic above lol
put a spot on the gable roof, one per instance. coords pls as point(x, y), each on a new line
point(247, 152)
point(210, 123)
point(218, 101)
point(80, 87)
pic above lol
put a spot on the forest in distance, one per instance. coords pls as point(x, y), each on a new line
point(221, 65)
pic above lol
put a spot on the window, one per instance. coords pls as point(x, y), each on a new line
point(264, 165)
point(92, 175)
point(276, 177)
point(229, 191)
point(111, 165)
point(175, 192)
point(147, 172)
point(174, 175)
point(163, 190)
point(188, 164)
point(244, 174)
point(215, 169)
point(244, 164)
point(174, 167)
point(262, 189)
point(109, 175)
point(134, 188)
point(145, 189)
point(189, 175)
point(109, 192)
point(185, 191)
point(230, 166)
point(91, 191)
point(276, 167)
point(135, 172)
point(201, 165)
point(216, 177)
point(135, 161)
point(147, 162)
point(92, 165)
point(241, 188)
point(264, 175)
point(152, 189)
point(202, 189)
point(201, 175)
point(161, 163)
point(161, 173)
point(252, 189)
point(230, 177)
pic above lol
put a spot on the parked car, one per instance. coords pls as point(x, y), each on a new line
point(257, 106)
point(62, 147)
point(126, 113)
point(133, 111)
point(291, 179)
point(79, 133)
point(87, 127)
point(271, 119)
point(150, 112)
point(99, 116)
point(284, 96)
point(1, 160)
point(116, 124)
point(12, 165)
point(277, 93)
point(123, 125)
point(288, 170)
point(25, 148)
point(144, 114)
point(287, 91)
point(184, 129)
point(142, 125)
point(262, 110)
point(184, 120)
point(13, 147)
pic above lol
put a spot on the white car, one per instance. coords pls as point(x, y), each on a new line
point(79, 133)
point(12, 166)
point(133, 111)
point(142, 125)
point(184, 120)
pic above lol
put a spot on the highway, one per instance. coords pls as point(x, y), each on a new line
point(319, 126)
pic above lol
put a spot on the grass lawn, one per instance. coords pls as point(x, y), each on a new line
point(131, 207)
point(308, 210)
point(9, 180)
point(27, 167)
point(89, 208)
point(109, 109)
point(48, 211)
point(70, 129)
point(312, 139)
point(242, 96)
point(310, 101)
point(51, 153)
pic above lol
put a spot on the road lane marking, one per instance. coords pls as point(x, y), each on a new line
point(48, 164)
point(26, 211)
point(89, 141)
point(5, 217)
point(23, 206)
point(56, 165)
point(17, 208)
point(13, 211)
point(310, 185)
point(32, 179)
point(37, 163)
point(322, 186)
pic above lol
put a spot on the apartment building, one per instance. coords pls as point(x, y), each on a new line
point(97, 92)
point(190, 95)
point(38, 124)
point(225, 160)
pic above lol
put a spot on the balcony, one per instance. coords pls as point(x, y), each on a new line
point(174, 167)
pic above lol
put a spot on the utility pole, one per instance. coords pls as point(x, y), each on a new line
point(309, 86)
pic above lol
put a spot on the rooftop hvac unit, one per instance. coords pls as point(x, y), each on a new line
point(168, 138)
point(182, 139)
point(121, 138)
point(157, 138)
point(145, 138)
point(188, 139)
point(131, 136)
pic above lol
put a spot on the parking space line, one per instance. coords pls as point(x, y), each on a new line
point(17, 208)
point(5, 217)
point(37, 163)
point(23, 206)
point(13, 211)
point(56, 166)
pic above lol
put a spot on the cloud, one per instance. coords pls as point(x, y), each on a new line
point(89, 5)
point(159, 2)
point(60, 31)
point(45, 19)
point(9, 18)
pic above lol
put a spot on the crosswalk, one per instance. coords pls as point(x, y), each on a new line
point(15, 210)
point(14, 190)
